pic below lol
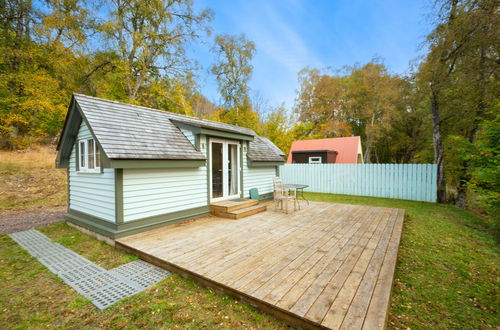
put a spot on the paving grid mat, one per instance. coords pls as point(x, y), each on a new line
point(103, 287)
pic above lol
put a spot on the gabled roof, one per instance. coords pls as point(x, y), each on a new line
point(126, 131)
point(346, 147)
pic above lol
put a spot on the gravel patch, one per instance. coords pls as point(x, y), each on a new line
point(14, 221)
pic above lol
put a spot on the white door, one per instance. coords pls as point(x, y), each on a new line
point(224, 169)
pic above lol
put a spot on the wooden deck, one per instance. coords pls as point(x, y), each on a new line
point(327, 265)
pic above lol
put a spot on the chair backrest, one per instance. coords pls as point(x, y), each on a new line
point(278, 187)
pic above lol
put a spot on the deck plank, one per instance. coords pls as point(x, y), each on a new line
point(327, 264)
point(376, 317)
point(302, 285)
point(318, 286)
point(354, 317)
point(325, 299)
point(263, 266)
point(335, 315)
point(282, 281)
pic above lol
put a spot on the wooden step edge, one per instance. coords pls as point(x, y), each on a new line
point(250, 208)
point(238, 214)
point(250, 211)
point(243, 205)
point(240, 205)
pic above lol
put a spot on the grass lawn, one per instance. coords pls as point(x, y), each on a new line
point(447, 275)
point(33, 297)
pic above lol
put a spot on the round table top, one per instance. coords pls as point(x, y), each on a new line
point(295, 186)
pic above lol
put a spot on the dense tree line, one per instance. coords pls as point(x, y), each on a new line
point(445, 111)
point(126, 50)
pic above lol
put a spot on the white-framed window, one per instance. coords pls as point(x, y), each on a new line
point(89, 157)
point(315, 160)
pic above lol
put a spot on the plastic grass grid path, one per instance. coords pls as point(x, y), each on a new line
point(103, 287)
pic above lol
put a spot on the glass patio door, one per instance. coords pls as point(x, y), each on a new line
point(224, 170)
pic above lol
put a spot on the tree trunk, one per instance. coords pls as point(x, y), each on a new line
point(461, 194)
point(368, 152)
point(465, 176)
point(438, 147)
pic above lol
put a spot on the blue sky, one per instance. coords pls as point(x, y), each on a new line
point(292, 34)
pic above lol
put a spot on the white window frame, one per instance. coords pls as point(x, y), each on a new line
point(315, 160)
point(84, 168)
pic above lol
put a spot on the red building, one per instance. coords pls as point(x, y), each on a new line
point(343, 150)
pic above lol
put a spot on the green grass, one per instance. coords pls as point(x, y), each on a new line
point(448, 266)
point(33, 297)
point(446, 277)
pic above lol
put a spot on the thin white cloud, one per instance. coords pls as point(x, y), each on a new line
point(275, 36)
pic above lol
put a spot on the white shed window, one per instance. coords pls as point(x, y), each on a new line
point(89, 157)
point(315, 160)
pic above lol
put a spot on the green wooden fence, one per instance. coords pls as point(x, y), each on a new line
point(401, 181)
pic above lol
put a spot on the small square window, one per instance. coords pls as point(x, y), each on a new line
point(315, 160)
point(97, 156)
point(89, 157)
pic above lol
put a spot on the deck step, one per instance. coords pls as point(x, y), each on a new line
point(232, 205)
point(241, 213)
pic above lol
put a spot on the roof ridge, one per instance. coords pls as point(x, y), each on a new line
point(331, 138)
point(161, 111)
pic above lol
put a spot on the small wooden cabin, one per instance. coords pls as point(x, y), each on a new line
point(132, 168)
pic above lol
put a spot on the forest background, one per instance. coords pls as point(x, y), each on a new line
point(444, 111)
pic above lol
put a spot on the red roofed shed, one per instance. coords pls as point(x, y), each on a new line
point(343, 150)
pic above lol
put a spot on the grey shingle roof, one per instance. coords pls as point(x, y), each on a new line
point(128, 131)
point(261, 149)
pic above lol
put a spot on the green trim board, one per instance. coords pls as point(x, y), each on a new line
point(68, 136)
point(69, 189)
point(116, 230)
point(213, 132)
point(77, 156)
point(197, 143)
point(251, 163)
point(243, 146)
point(152, 163)
point(119, 195)
point(90, 222)
point(209, 168)
point(226, 135)
point(140, 225)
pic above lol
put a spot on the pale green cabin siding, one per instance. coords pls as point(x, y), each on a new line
point(189, 135)
point(151, 192)
point(257, 177)
point(91, 193)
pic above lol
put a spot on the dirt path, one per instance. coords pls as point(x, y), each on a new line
point(14, 221)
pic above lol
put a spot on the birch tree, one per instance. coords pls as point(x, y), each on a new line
point(233, 69)
point(150, 37)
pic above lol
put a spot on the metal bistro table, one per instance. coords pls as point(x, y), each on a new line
point(297, 188)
